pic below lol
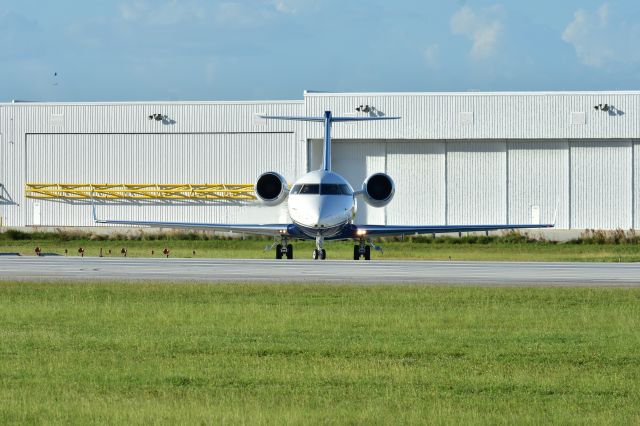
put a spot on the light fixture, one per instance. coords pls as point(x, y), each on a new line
point(364, 108)
point(157, 117)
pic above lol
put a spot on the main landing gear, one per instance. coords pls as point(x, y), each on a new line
point(319, 252)
point(284, 249)
point(363, 249)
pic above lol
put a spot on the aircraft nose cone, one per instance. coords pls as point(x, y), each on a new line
point(318, 216)
point(313, 218)
point(330, 215)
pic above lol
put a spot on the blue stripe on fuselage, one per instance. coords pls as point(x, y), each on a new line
point(338, 232)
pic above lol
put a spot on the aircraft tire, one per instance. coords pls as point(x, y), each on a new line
point(289, 251)
point(315, 254)
point(323, 254)
point(356, 252)
point(279, 251)
point(367, 253)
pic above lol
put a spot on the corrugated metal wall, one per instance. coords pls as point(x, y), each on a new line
point(530, 153)
point(456, 158)
point(476, 182)
point(419, 170)
point(493, 115)
point(487, 182)
point(164, 158)
point(601, 184)
point(117, 143)
point(538, 177)
point(636, 183)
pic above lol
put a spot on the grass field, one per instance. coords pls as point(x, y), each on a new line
point(283, 354)
point(439, 249)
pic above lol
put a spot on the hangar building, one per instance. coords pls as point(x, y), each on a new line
point(456, 158)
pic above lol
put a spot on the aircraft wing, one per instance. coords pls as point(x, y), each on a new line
point(392, 230)
point(267, 229)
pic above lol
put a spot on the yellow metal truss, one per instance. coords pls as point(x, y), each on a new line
point(120, 191)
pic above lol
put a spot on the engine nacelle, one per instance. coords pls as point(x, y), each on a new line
point(378, 190)
point(271, 188)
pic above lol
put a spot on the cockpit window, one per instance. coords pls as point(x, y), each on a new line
point(345, 189)
point(310, 188)
point(335, 189)
point(330, 189)
point(324, 189)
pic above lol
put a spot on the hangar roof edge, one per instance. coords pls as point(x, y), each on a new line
point(311, 93)
point(97, 103)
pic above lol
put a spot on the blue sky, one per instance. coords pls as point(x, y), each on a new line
point(110, 50)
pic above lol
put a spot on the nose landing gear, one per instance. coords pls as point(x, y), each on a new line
point(319, 252)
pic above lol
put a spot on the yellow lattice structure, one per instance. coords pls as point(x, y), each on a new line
point(122, 191)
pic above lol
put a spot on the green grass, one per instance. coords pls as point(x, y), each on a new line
point(253, 248)
point(301, 354)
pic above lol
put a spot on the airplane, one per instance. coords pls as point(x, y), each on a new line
point(322, 206)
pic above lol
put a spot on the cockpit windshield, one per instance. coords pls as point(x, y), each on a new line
point(322, 189)
point(335, 189)
point(307, 188)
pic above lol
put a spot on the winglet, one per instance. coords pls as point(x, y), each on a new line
point(555, 213)
point(93, 212)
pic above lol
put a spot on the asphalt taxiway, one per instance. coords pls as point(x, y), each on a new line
point(328, 271)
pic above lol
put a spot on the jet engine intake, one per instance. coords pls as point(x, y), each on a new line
point(271, 188)
point(378, 190)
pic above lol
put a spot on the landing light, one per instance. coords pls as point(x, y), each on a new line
point(361, 232)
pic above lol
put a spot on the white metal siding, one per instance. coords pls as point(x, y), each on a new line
point(495, 115)
point(476, 182)
point(636, 183)
point(166, 158)
point(3, 175)
point(418, 169)
point(601, 182)
point(315, 155)
point(19, 122)
point(538, 174)
point(597, 179)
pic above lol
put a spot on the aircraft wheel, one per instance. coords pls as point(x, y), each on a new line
point(289, 251)
point(356, 252)
point(367, 253)
point(323, 254)
point(279, 251)
point(315, 254)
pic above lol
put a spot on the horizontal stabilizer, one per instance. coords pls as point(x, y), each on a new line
point(323, 119)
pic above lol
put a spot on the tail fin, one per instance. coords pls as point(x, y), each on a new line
point(328, 119)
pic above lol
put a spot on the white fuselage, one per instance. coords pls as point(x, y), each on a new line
point(321, 203)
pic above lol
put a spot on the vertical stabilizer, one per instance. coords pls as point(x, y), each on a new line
point(326, 159)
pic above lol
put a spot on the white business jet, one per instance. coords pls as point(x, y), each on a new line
point(322, 206)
